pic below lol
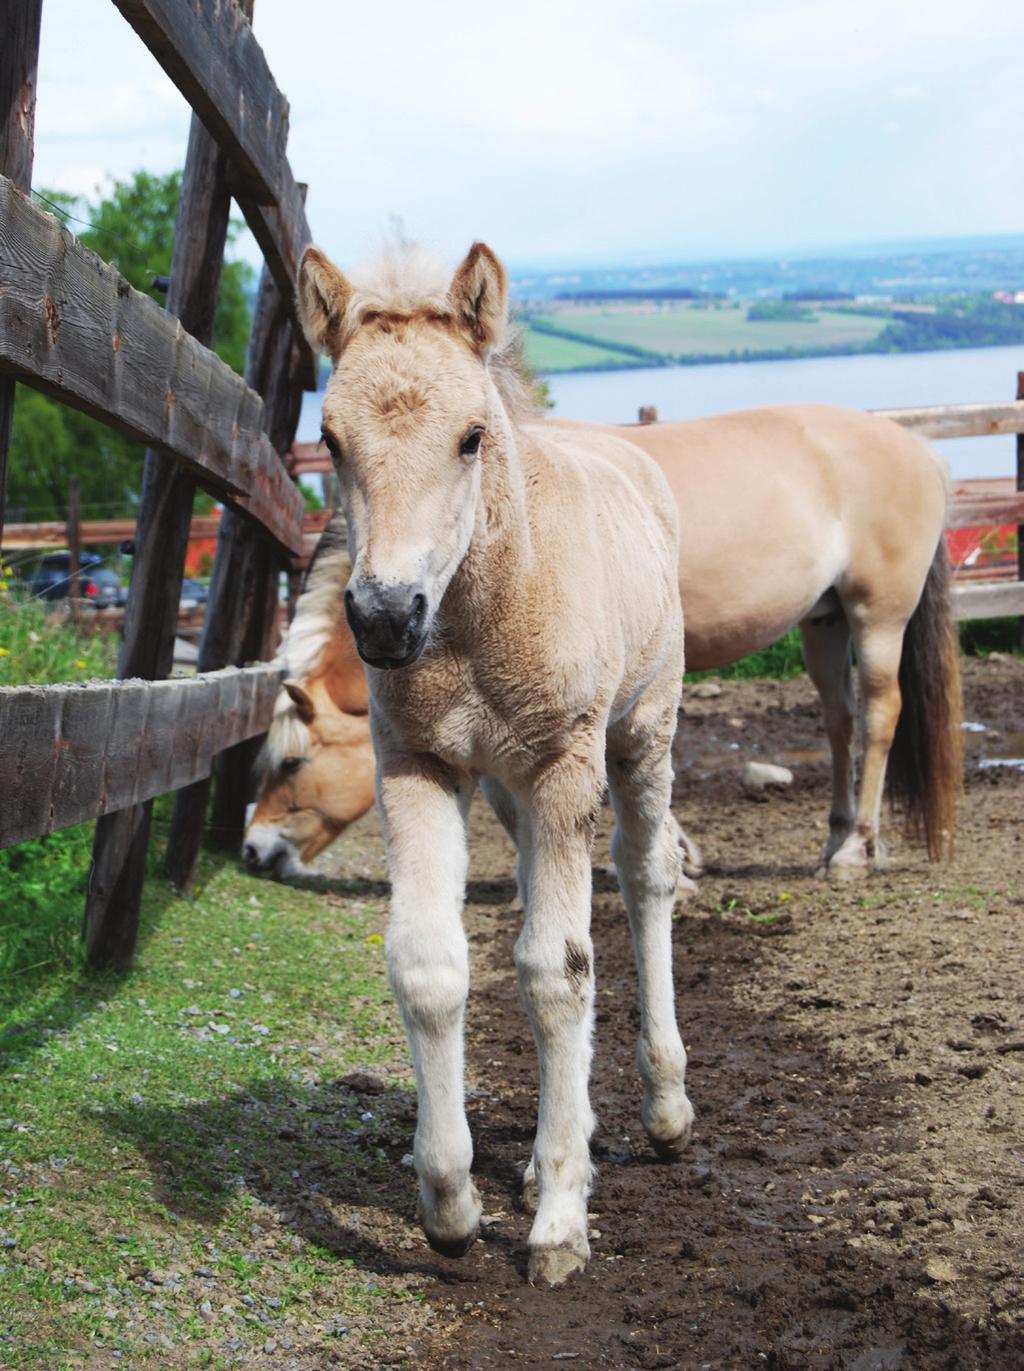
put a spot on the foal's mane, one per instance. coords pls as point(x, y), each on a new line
point(407, 279)
point(319, 612)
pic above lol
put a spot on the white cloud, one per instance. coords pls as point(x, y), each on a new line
point(571, 129)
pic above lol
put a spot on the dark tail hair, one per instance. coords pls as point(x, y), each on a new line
point(925, 771)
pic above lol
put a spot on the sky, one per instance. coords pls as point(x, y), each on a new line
point(597, 133)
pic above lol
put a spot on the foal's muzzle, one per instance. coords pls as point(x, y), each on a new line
point(387, 622)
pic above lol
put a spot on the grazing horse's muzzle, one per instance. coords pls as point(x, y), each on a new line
point(387, 622)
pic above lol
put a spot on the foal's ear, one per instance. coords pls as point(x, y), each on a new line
point(479, 297)
point(301, 700)
point(323, 298)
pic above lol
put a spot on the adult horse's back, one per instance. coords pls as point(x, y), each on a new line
point(830, 519)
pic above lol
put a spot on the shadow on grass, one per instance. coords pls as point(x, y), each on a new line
point(312, 1154)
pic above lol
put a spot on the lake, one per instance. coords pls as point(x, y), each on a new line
point(869, 381)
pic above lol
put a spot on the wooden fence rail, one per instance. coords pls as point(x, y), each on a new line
point(73, 752)
point(72, 325)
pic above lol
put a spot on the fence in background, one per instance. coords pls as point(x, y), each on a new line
point(71, 326)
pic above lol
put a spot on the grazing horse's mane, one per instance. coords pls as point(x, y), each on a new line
point(319, 611)
point(405, 279)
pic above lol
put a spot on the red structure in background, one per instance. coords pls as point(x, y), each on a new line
point(201, 550)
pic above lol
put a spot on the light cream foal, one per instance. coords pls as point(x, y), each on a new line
point(514, 597)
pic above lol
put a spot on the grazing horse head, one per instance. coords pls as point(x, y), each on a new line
point(316, 766)
point(409, 417)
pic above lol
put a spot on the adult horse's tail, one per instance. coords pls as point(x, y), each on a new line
point(925, 771)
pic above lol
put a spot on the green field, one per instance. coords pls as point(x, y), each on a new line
point(680, 332)
point(545, 353)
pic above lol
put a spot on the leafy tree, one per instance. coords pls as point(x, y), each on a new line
point(133, 228)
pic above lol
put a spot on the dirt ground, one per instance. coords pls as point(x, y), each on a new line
point(854, 1193)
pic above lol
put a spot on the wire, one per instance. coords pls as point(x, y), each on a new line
point(96, 228)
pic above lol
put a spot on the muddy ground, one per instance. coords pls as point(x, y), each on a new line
point(854, 1193)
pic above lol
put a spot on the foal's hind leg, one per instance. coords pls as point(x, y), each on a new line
point(827, 657)
point(878, 647)
point(646, 851)
point(555, 963)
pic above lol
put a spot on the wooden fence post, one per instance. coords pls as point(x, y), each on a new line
point(19, 57)
point(242, 609)
point(1020, 527)
point(74, 544)
point(165, 513)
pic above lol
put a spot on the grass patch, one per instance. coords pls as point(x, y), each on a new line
point(781, 661)
point(182, 1147)
point(684, 330)
point(38, 646)
point(545, 352)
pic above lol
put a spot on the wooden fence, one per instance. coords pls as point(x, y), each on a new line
point(71, 326)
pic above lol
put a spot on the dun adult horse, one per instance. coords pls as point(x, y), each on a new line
point(316, 767)
point(514, 597)
point(832, 520)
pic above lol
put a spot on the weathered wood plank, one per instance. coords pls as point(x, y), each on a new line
point(20, 22)
point(72, 326)
point(283, 234)
point(73, 752)
point(960, 421)
point(982, 510)
point(211, 54)
point(165, 514)
point(988, 600)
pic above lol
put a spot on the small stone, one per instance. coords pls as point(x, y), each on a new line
point(270, 1345)
point(759, 776)
point(705, 690)
point(938, 1269)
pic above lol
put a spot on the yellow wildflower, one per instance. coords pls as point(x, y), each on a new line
point(374, 939)
point(81, 665)
point(4, 652)
point(3, 586)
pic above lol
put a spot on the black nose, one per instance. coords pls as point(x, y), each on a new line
point(387, 622)
point(250, 855)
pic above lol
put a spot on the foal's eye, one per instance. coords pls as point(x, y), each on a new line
point(470, 445)
point(292, 764)
point(330, 444)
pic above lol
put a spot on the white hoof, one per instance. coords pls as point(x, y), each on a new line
point(668, 1125)
point(554, 1265)
point(451, 1223)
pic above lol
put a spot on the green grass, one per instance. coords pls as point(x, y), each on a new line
point(547, 353)
point(37, 645)
point(680, 331)
point(182, 1138)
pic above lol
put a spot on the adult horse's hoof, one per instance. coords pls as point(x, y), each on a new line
point(554, 1265)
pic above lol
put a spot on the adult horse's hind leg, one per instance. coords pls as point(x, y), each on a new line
point(423, 808)
point(826, 641)
point(646, 851)
point(878, 647)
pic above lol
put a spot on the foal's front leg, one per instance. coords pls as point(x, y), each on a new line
point(423, 806)
point(555, 963)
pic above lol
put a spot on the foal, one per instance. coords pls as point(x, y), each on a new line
point(514, 598)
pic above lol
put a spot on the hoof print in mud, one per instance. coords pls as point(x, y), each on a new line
point(555, 1265)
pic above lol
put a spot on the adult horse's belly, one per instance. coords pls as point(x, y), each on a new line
point(761, 529)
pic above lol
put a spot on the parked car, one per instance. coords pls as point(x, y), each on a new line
point(97, 583)
point(193, 593)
